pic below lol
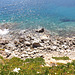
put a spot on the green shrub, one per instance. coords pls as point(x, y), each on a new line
point(35, 67)
point(61, 58)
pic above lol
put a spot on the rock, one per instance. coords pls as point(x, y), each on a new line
point(23, 55)
point(44, 37)
point(40, 30)
point(27, 43)
point(10, 46)
point(54, 47)
point(26, 55)
point(64, 61)
point(73, 42)
point(15, 42)
point(41, 48)
point(21, 40)
point(35, 44)
point(16, 70)
point(8, 54)
point(4, 41)
point(29, 53)
point(40, 55)
point(61, 51)
point(68, 50)
point(25, 52)
point(7, 51)
point(64, 46)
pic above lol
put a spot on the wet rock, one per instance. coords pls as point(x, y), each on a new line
point(40, 30)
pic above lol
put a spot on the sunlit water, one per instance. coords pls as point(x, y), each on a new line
point(55, 15)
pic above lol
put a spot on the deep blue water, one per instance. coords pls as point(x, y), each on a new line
point(55, 15)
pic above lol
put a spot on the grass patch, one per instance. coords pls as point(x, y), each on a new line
point(2, 49)
point(1, 57)
point(35, 67)
point(61, 58)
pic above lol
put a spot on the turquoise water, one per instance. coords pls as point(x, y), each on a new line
point(55, 15)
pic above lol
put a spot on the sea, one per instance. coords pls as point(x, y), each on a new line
point(57, 16)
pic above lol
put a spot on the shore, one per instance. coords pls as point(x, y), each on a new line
point(32, 43)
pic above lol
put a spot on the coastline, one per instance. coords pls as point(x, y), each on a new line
point(32, 43)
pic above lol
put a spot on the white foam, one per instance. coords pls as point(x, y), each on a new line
point(4, 31)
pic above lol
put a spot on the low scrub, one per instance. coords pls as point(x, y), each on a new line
point(61, 58)
point(34, 67)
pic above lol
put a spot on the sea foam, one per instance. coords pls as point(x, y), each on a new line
point(4, 31)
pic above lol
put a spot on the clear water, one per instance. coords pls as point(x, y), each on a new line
point(55, 15)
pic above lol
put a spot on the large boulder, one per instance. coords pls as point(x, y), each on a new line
point(36, 43)
point(40, 30)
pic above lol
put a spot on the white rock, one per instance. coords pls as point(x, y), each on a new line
point(52, 60)
point(62, 61)
point(65, 53)
point(61, 51)
point(36, 41)
point(64, 46)
point(68, 50)
point(38, 72)
point(27, 43)
point(10, 45)
point(44, 37)
point(54, 47)
point(40, 54)
point(25, 52)
point(26, 55)
point(22, 55)
point(7, 51)
point(16, 70)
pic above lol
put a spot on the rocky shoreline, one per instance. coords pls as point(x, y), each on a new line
point(32, 43)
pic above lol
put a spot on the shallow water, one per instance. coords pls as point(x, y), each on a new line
point(58, 16)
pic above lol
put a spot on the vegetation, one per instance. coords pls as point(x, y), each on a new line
point(61, 58)
point(34, 67)
point(2, 49)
